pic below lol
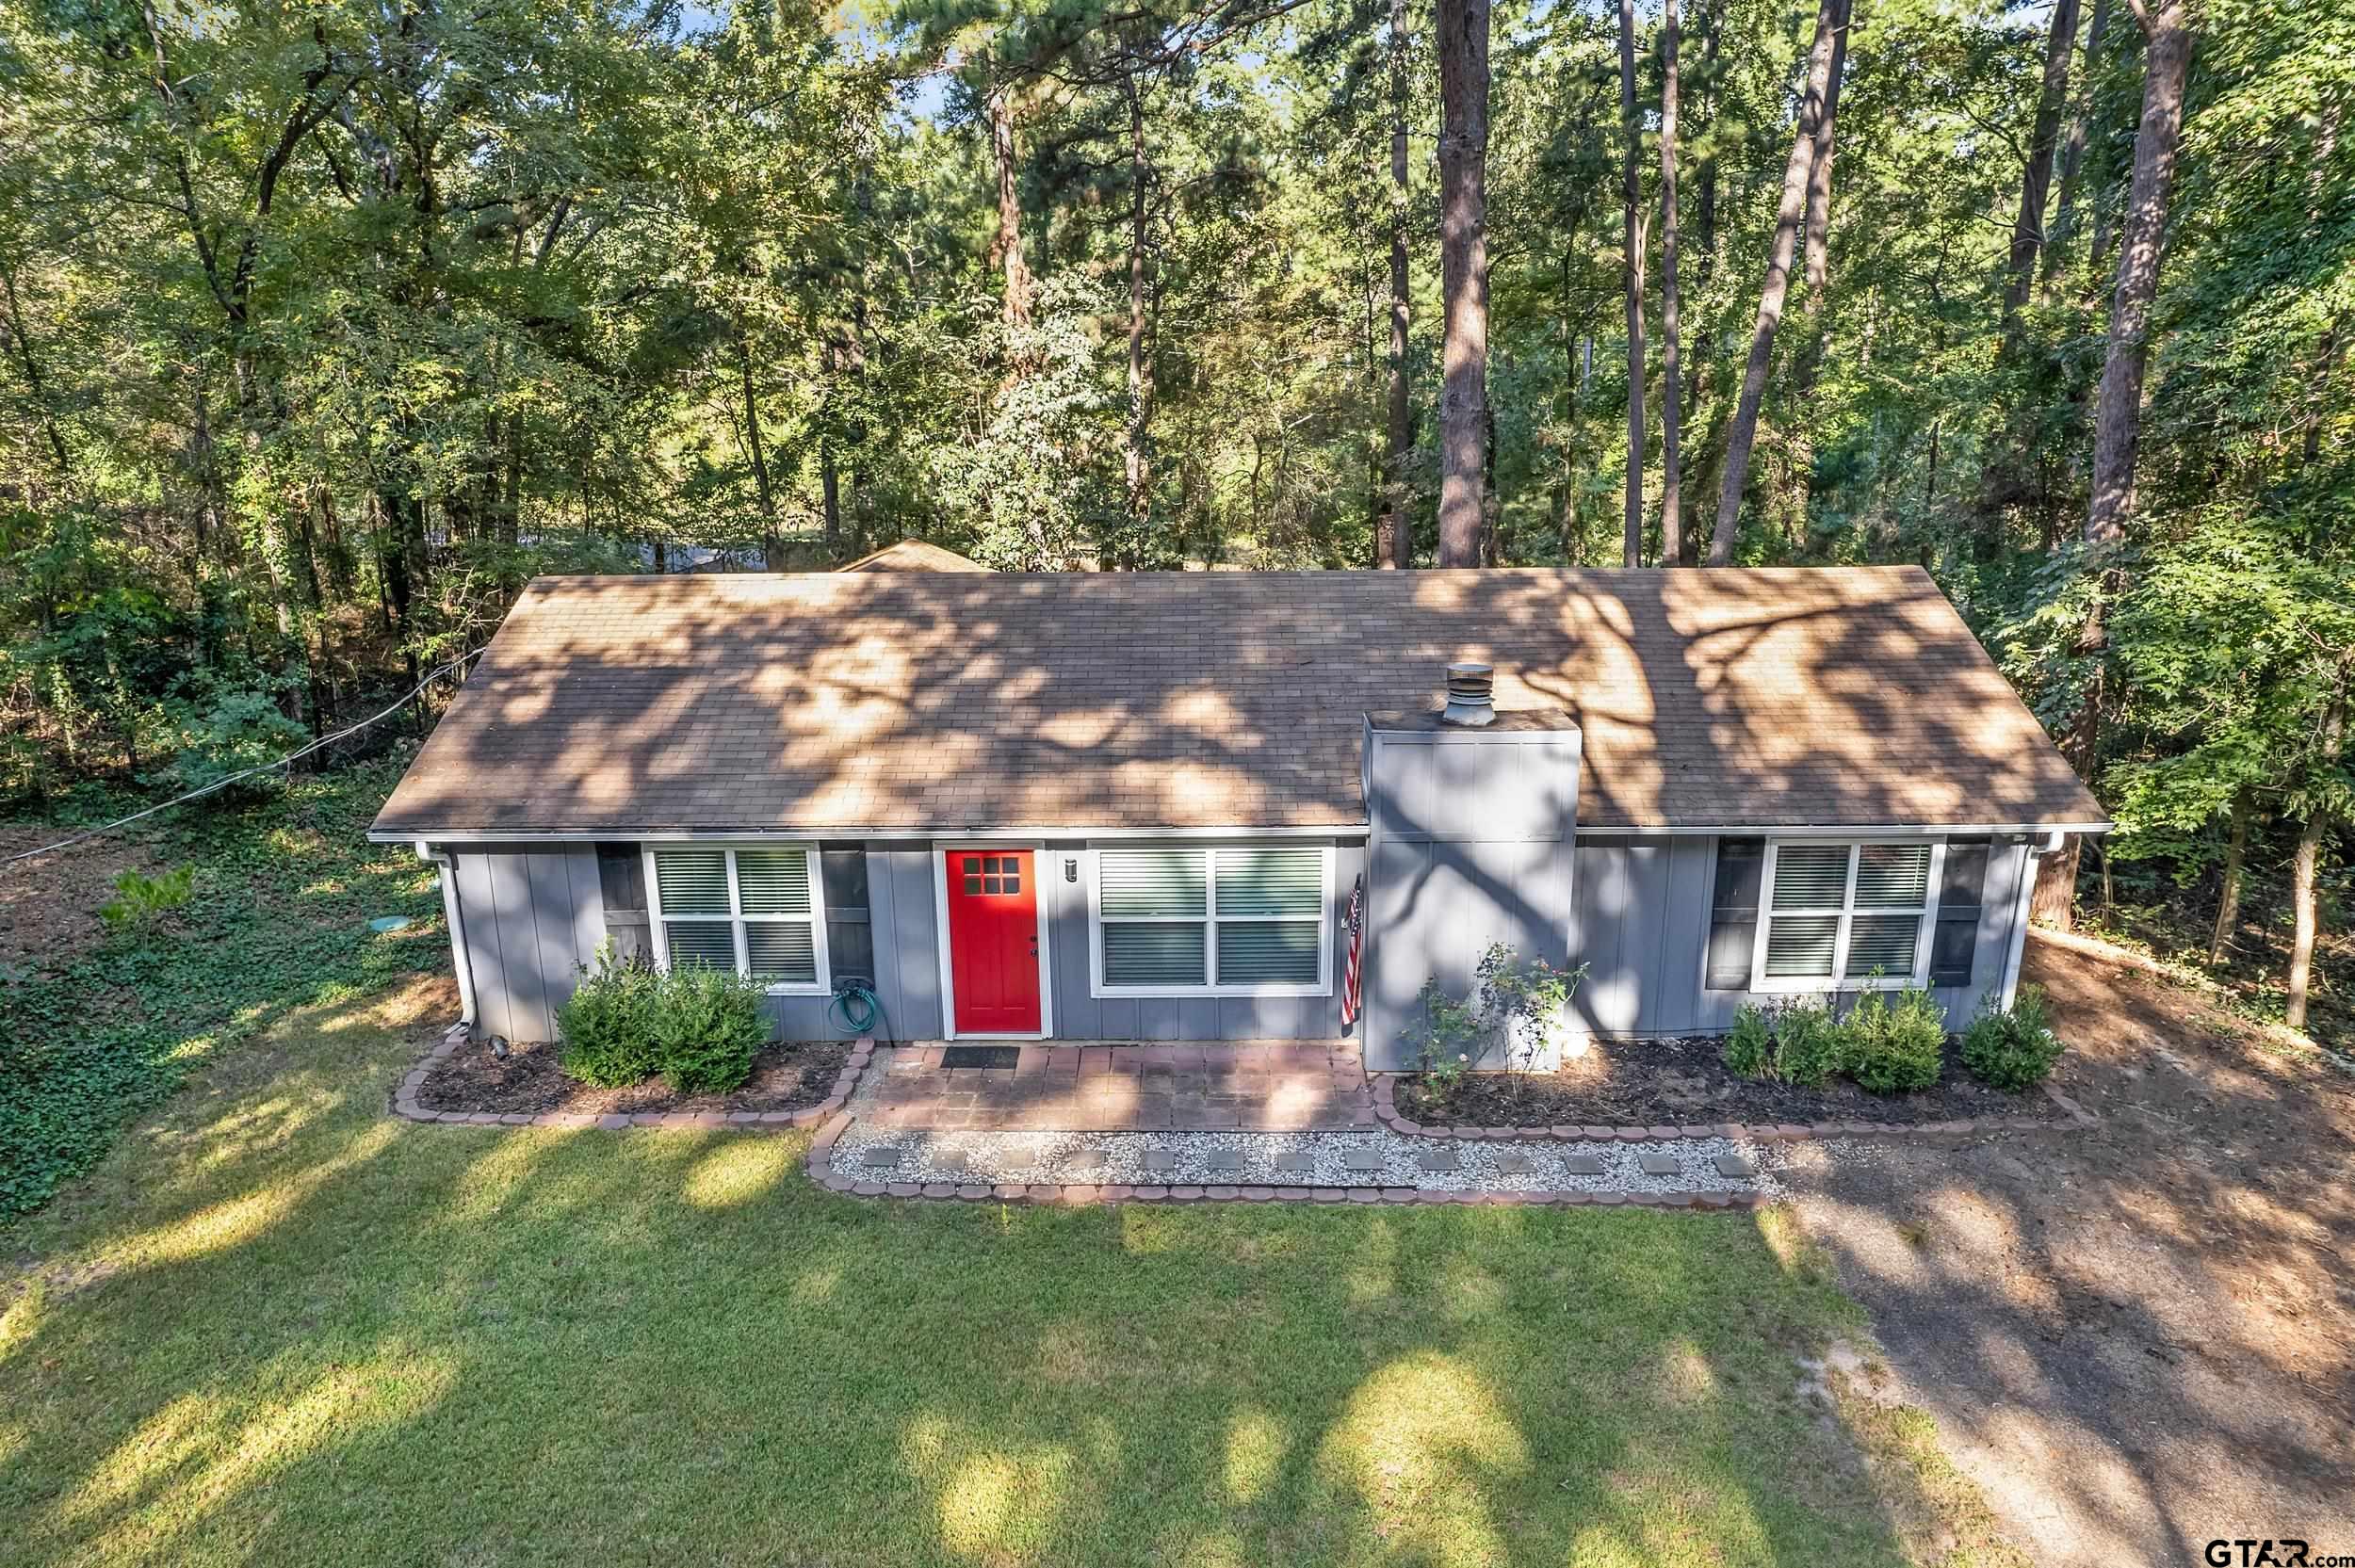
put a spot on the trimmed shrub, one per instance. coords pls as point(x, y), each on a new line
point(1895, 1050)
point(1808, 1044)
point(2014, 1050)
point(608, 1025)
point(708, 1026)
point(1750, 1047)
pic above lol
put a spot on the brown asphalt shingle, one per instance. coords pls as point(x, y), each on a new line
point(1849, 696)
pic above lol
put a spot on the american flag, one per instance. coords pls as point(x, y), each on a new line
point(1351, 996)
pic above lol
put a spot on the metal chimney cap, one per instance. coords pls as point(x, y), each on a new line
point(1470, 695)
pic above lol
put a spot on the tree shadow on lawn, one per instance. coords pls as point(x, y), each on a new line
point(279, 1327)
point(2138, 1335)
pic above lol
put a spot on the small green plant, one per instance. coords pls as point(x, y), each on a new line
point(1445, 1040)
point(1523, 1001)
point(1750, 1046)
point(2012, 1050)
point(707, 1027)
point(1895, 1050)
point(608, 1023)
point(139, 898)
point(1808, 1044)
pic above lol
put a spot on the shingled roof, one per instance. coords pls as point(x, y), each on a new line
point(1831, 696)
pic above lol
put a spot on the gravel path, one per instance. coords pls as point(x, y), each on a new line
point(1382, 1160)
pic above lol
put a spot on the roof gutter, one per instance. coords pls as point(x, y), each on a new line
point(1334, 830)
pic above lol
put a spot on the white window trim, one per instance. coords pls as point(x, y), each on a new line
point(1208, 919)
point(1926, 926)
point(735, 919)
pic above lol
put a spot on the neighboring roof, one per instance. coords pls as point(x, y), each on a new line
point(913, 555)
point(1848, 696)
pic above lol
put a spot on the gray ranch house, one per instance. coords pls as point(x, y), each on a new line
point(1198, 805)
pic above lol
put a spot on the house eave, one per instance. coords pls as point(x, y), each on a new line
point(1050, 831)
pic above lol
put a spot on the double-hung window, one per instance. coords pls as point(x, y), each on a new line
point(1845, 915)
point(757, 912)
point(1231, 920)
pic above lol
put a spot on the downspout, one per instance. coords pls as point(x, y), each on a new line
point(2021, 902)
point(446, 873)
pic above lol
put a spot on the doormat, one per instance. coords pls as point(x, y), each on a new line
point(981, 1056)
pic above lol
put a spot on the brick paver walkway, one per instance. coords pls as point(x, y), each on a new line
point(1278, 1086)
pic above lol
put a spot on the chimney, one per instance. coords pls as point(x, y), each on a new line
point(1469, 695)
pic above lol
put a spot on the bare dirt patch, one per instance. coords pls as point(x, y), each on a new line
point(49, 906)
point(1648, 1082)
point(2139, 1336)
point(529, 1081)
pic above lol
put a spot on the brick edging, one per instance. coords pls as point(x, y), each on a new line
point(405, 1104)
point(1386, 1111)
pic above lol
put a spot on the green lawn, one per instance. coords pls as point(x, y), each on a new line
point(270, 1325)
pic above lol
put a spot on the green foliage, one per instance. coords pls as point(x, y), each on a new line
point(1749, 1047)
point(699, 1028)
point(1809, 1044)
point(1894, 1050)
point(607, 1023)
point(708, 1026)
point(2012, 1050)
point(141, 897)
point(1515, 1006)
point(276, 919)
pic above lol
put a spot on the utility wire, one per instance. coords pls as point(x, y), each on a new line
point(286, 761)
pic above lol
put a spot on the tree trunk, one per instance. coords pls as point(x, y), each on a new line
point(1671, 412)
point(2228, 896)
point(2036, 180)
point(2304, 918)
point(1632, 198)
point(1140, 475)
point(1831, 18)
point(1390, 534)
point(2052, 903)
point(1463, 275)
point(2072, 150)
point(772, 542)
point(1799, 450)
point(830, 494)
point(30, 367)
point(2117, 416)
point(1005, 251)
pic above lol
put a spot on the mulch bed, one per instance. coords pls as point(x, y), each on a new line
point(529, 1082)
point(1643, 1082)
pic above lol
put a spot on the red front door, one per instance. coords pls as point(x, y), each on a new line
point(992, 940)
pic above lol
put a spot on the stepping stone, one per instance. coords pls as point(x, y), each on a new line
point(1295, 1163)
point(1583, 1165)
point(1224, 1160)
point(1660, 1165)
point(1734, 1164)
point(1161, 1159)
point(1515, 1165)
point(1086, 1159)
point(880, 1159)
point(1017, 1156)
point(1440, 1160)
point(1363, 1159)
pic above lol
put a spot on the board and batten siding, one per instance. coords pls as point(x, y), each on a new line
point(1641, 927)
point(534, 916)
point(1067, 872)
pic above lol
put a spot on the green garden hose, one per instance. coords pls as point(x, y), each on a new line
point(855, 1007)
